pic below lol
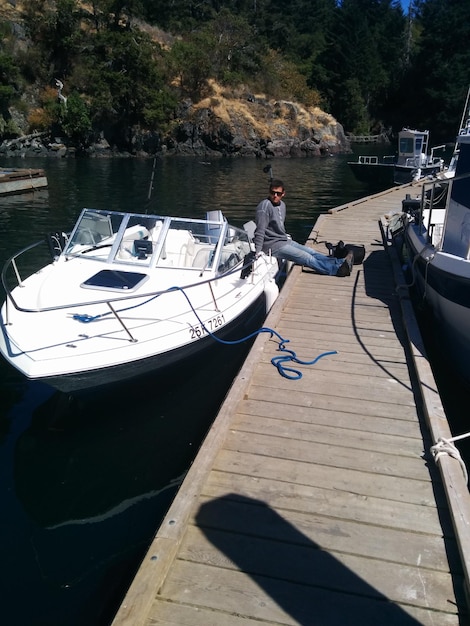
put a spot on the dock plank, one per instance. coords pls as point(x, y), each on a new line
point(322, 416)
point(335, 403)
point(316, 501)
point(329, 533)
point(354, 439)
point(289, 472)
point(330, 453)
point(382, 391)
point(283, 602)
point(347, 501)
point(309, 565)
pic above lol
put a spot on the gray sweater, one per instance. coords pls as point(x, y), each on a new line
point(270, 233)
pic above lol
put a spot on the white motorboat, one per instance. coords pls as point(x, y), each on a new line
point(412, 162)
point(129, 293)
point(437, 238)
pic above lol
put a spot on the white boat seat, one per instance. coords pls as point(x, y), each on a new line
point(213, 230)
point(126, 249)
point(250, 228)
point(228, 259)
point(202, 257)
point(178, 249)
point(155, 231)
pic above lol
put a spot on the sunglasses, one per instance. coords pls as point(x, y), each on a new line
point(276, 193)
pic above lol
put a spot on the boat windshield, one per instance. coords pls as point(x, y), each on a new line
point(150, 240)
point(108, 235)
point(203, 245)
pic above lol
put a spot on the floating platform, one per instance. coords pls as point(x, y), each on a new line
point(317, 501)
point(21, 180)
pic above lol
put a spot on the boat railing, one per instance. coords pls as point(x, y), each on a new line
point(368, 160)
point(12, 262)
point(11, 265)
point(433, 197)
point(374, 160)
point(436, 159)
point(414, 161)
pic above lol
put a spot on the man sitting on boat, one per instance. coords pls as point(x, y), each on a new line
point(271, 238)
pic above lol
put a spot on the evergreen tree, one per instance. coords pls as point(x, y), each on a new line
point(54, 29)
point(434, 90)
point(363, 59)
point(123, 78)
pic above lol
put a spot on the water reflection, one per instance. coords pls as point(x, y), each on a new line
point(90, 476)
point(130, 432)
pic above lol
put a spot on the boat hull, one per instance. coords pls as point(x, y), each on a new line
point(239, 328)
point(388, 174)
point(404, 174)
point(70, 355)
point(437, 240)
point(373, 173)
point(444, 285)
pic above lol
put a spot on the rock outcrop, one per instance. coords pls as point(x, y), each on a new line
point(254, 126)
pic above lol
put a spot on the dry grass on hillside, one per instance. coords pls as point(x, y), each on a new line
point(10, 10)
point(268, 118)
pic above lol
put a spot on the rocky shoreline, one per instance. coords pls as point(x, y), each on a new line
point(242, 127)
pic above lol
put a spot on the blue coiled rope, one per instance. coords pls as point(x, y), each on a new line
point(289, 356)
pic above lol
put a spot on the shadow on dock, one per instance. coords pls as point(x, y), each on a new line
point(374, 269)
point(307, 582)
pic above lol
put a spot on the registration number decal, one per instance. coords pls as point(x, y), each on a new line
point(210, 326)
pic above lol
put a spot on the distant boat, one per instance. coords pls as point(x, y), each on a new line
point(131, 293)
point(412, 163)
point(21, 180)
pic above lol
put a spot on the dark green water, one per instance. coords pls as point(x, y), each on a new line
point(86, 480)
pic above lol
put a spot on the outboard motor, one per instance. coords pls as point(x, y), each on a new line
point(56, 242)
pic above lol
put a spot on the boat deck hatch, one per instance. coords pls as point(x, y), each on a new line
point(115, 280)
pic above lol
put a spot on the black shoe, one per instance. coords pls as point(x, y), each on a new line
point(346, 268)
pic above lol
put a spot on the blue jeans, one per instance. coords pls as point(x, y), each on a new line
point(302, 255)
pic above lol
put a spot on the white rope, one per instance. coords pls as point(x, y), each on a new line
point(446, 446)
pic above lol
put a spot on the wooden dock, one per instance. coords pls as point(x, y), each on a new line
point(316, 501)
point(381, 138)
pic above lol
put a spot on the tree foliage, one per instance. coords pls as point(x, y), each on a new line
point(114, 74)
point(9, 78)
point(74, 117)
point(364, 61)
point(439, 73)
